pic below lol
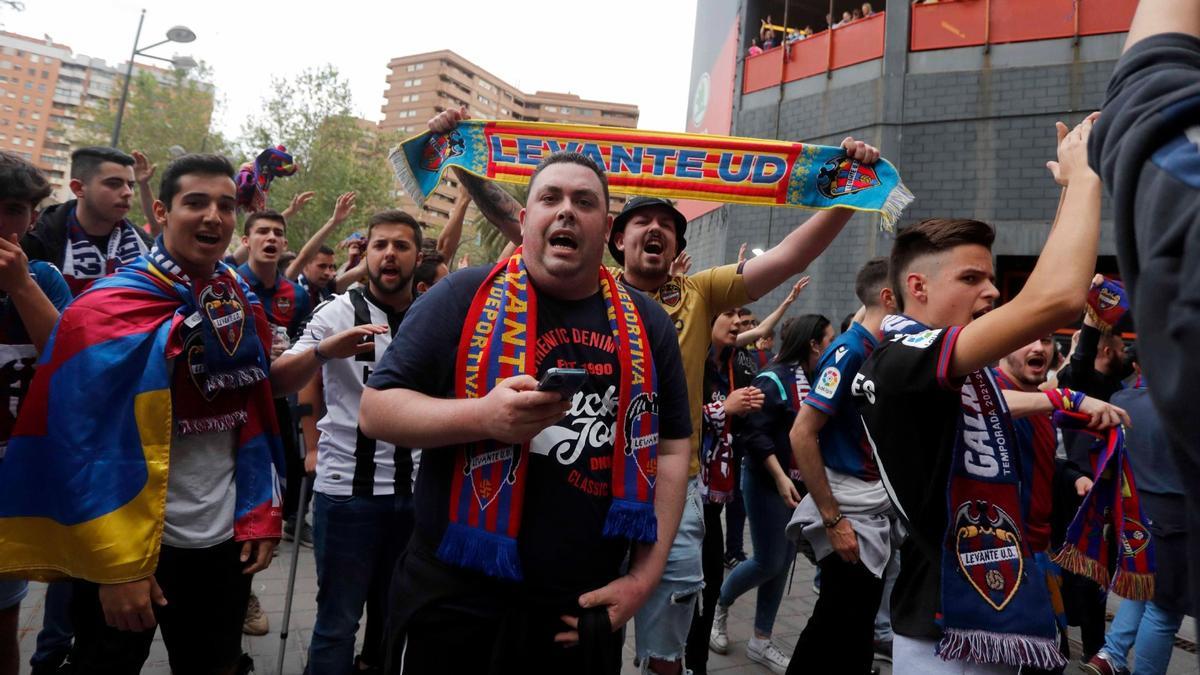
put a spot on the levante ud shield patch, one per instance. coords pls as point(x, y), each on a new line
point(988, 546)
point(226, 313)
point(842, 176)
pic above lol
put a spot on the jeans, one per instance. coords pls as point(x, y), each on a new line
point(883, 618)
point(356, 541)
point(844, 616)
point(1149, 630)
point(768, 569)
point(661, 625)
point(57, 631)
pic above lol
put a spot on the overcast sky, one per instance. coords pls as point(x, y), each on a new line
point(628, 51)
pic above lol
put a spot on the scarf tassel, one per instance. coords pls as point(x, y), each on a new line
point(632, 520)
point(493, 554)
point(897, 199)
point(987, 647)
point(1074, 560)
point(234, 379)
point(1134, 585)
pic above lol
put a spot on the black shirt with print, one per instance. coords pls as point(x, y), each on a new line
point(911, 410)
point(567, 492)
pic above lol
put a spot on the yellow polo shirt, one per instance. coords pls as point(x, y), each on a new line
point(692, 303)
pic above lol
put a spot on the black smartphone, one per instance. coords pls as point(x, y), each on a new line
point(565, 381)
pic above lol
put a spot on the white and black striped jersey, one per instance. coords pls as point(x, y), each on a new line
point(348, 462)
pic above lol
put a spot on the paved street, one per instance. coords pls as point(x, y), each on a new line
point(271, 585)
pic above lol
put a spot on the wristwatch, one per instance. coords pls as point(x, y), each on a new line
point(829, 524)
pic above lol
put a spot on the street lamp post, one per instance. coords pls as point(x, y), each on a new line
point(180, 34)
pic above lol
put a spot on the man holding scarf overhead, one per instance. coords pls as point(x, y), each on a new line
point(526, 503)
point(968, 598)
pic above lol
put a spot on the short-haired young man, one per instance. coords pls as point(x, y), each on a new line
point(318, 276)
point(161, 496)
point(846, 515)
point(431, 270)
point(286, 303)
point(646, 238)
point(32, 293)
point(362, 501)
point(89, 237)
point(523, 517)
point(943, 435)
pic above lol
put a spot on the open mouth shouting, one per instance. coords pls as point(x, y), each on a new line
point(270, 250)
point(654, 245)
point(1036, 362)
point(208, 238)
point(563, 240)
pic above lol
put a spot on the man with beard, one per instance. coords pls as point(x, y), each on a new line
point(528, 502)
point(89, 237)
point(645, 239)
point(362, 502)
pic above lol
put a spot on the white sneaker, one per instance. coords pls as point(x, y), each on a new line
point(766, 653)
point(718, 639)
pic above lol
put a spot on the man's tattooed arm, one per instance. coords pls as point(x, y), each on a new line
point(495, 204)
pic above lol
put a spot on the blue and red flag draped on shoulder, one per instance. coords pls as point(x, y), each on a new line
point(83, 484)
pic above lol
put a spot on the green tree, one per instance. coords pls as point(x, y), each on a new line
point(160, 119)
point(312, 116)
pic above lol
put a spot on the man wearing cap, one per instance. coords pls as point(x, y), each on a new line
point(645, 238)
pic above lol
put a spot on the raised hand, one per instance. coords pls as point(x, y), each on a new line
point(797, 288)
point(143, 170)
point(681, 265)
point(863, 152)
point(344, 206)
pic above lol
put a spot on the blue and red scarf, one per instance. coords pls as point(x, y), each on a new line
point(83, 485)
point(488, 484)
point(1110, 513)
point(1107, 302)
point(996, 606)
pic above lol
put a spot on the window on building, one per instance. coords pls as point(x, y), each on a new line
point(40, 102)
point(29, 142)
point(505, 111)
point(33, 58)
point(550, 108)
point(483, 99)
point(42, 87)
point(36, 115)
point(25, 98)
point(28, 84)
point(413, 67)
point(16, 140)
point(45, 74)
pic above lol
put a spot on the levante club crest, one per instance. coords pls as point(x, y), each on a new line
point(480, 467)
point(441, 147)
point(988, 544)
point(639, 431)
point(843, 176)
point(226, 314)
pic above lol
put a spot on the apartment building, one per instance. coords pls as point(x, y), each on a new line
point(44, 90)
point(421, 85)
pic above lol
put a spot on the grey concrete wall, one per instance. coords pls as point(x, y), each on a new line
point(974, 130)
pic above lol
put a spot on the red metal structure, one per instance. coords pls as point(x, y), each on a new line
point(943, 25)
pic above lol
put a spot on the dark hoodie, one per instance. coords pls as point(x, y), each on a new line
point(1146, 148)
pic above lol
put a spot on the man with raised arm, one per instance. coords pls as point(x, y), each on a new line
point(967, 599)
point(646, 237)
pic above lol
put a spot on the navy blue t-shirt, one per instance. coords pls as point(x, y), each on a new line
point(567, 495)
point(844, 445)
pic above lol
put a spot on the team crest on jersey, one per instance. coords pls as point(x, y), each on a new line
point(988, 544)
point(226, 314)
point(670, 294)
point(441, 147)
point(843, 176)
point(283, 305)
point(827, 384)
point(839, 354)
point(923, 339)
point(1137, 537)
point(478, 469)
point(639, 432)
